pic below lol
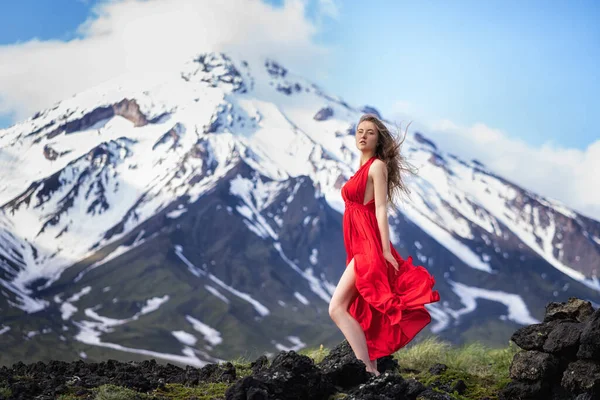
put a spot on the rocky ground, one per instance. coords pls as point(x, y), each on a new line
point(288, 376)
point(560, 359)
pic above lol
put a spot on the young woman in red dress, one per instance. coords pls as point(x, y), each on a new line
point(379, 301)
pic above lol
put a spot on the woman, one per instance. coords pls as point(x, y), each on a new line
point(379, 301)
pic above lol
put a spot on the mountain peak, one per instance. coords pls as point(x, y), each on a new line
point(214, 193)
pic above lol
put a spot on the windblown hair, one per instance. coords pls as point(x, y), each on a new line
point(388, 150)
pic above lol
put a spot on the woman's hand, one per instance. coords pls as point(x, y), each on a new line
point(390, 258)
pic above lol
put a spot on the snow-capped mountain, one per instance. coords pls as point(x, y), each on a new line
point(196, 216)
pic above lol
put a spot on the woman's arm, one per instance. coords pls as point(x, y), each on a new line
point(378, 171)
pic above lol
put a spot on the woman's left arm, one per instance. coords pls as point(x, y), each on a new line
point(378, 171)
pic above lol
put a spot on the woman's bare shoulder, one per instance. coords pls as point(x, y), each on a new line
point(378, 166)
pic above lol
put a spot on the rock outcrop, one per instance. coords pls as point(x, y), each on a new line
point(323, 114)
point(560, 357)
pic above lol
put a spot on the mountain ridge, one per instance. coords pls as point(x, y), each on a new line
point(224, 181)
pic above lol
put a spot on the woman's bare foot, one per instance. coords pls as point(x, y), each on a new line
point(373, 369)
point(374, 364)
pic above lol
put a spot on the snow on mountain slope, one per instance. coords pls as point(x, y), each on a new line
point(87, 172)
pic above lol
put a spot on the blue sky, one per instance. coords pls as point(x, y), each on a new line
point(529, 68)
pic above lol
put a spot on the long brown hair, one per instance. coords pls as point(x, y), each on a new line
point(388, 150)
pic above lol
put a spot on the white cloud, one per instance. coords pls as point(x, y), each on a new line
point(329, 8)
point(564, 174)
point(127, 36)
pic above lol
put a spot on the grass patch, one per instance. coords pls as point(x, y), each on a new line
point(113, 392)
point(483, 369)
point(68, 397)
point(172, 391)
point(477, 387)
point(204, 391)
point(316, 354)
point(242, 367)
point(475, 358)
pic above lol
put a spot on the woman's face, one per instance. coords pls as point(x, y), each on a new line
point(366, 136)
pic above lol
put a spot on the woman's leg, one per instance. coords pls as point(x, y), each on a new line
point(344, 294)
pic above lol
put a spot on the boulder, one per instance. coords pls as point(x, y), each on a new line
point(564, 339)
point(437, 369)
point(589, 347)
point(582, 376)
point(342, 367)
point(524, 391)
point(387, 363)
point(290, 376)
point(574, 309)
point(533, 337)
point(387, 386)
point(532, 365)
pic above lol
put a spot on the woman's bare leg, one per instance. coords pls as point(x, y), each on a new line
point(344, 294)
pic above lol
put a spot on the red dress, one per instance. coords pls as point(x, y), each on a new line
point(390, 306)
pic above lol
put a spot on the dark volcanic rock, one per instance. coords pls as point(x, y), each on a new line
point(290, 376)
point(524, 391)
point(433, 395)
point(343, 368)
point(575, 309)
point(533, 337)
point(533, 365)
point(387, 363)
point(260, 364)
point(437, 369)
point(413, 388)
point(459, 386)
point(387, 386)
point(566, 361)
point(50, 153)
point(217, 373)
point(582, 376)
point(126, 108)
point(589, 347)
point(41, 380)
point(564, 339)
point(324, 114)
point(248, 388)
point(274, 69)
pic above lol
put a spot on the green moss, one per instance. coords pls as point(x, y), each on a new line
point(5, 392)
point(477, 387)
point(112, 392)
point(204, 391)
point(68, 397)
